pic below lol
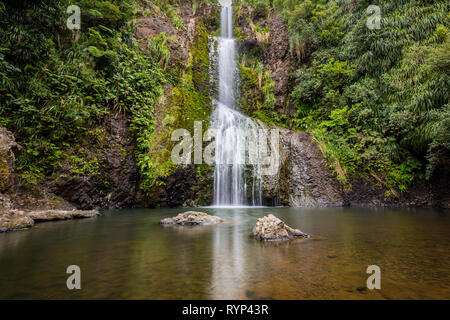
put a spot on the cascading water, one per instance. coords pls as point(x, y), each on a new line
point(235, 181)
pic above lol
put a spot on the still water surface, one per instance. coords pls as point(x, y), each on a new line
point(126, 254)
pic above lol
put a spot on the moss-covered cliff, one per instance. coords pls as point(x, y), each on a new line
point(94, 108)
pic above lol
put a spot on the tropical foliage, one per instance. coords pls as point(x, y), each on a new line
point(376, 99)
point(57, 85)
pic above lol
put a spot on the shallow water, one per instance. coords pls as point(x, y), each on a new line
point(126, 254)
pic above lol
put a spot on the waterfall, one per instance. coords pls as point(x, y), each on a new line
point(236, 182)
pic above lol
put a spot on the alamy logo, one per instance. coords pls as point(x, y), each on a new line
point(374, 281)
point(255, 147)
point(374, 21)
point(73, 281)
point(225, 3)
point(74, 21)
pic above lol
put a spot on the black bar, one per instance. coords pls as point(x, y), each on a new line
point(223, 309)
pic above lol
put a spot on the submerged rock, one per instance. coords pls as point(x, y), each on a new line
point(192, 218)
point(14, 219)
point(270, 228)
point(49, 215)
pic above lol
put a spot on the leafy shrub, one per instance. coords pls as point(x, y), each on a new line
point(391, 82)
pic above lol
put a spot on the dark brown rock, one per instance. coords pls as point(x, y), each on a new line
point(153, 24)
point(183, 188)
point(9, 149)
point(117, 183)
point(276, 57)
point(276, 54)
point(304, 179)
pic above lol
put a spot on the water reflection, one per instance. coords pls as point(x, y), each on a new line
point(229, 258)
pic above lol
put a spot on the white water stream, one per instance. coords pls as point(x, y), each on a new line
point(236, 182)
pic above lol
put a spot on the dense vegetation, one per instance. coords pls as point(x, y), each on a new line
point(57, 85)
point(376, 100)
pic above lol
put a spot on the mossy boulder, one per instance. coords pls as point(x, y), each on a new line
point(192, 218)
point(271, 228)
point(15, 220)
point(50, 215)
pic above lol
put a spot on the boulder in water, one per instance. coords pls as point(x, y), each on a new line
point(50, 215)
point(14, 220)
point(192, 218)
point(270, 228)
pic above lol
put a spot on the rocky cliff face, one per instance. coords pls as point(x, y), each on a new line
point(12, 194)
point(183, 188)
point(368, 192)
point(275, 52)
point(148, 26)
point(115, 184)
point(277, 57)
point(15, 203)
point(185, 185)
point(303, 179)
point(8, 151)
